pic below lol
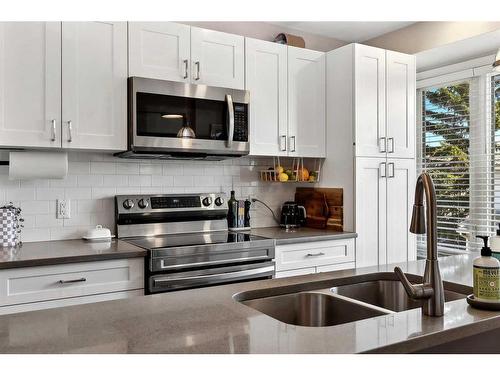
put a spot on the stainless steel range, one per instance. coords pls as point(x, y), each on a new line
point(188, 243)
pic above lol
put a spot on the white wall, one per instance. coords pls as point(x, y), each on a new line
point(94, 179)
point(422, 36)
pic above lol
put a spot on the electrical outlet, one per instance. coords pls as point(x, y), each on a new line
point(63, 209)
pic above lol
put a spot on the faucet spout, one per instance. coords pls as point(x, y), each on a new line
point(431, 290)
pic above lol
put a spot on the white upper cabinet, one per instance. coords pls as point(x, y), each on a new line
point(30, 84)
point(400, 104)
point(306, 103)
point(217, 59)
point(369, 81)
point(94, 85)
point(266, 79)
point(371, 212)
point(401, 244)
point(159, 50)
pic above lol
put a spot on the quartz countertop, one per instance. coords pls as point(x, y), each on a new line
point(68, 251)
point(302, 234)
point(210, 320)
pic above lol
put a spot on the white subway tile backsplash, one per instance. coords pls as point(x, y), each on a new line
point(78, 193)
point(94, 179)
point(20, 194)
point(102, 168)
point(127, 168)
point(90, 180)
point(151, 169)
point(140, 180)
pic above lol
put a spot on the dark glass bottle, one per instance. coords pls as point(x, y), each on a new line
point(247, 213)
point(232, 213)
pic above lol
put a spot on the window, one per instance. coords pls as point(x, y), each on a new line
point(459, 146)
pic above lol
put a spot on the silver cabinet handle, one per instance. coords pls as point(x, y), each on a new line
point(292, 137)
point(390, 167)
point(186, 68)
point(53, 138)
point(382, 144)
point(230, 129)
point(70, 131)
point(81, 280)
point(283, 143)
point(391, 143)
point(315, 254)
point(197, 65)
point(383, 169)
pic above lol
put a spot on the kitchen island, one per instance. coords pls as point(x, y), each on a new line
point(210, 320)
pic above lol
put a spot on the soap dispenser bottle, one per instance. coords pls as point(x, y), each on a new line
point(495, 244)
point(486, 275)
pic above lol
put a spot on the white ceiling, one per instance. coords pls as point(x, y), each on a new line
point(346, 31)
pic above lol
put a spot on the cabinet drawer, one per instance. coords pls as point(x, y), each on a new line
point(298, 272)
point(23, 307)
point(35, 284)
point(335, 267)
point(313, 254)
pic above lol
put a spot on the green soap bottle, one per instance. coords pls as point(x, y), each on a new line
point(486, 275)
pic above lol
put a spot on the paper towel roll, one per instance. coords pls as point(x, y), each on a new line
point(31, 165)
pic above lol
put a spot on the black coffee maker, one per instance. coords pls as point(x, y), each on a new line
point(292, 215)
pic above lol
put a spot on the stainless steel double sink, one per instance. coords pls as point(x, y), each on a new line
point(343, 301)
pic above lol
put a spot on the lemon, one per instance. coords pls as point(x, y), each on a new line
point(279, 169)
point(283, 177)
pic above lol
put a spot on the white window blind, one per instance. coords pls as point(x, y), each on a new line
point(459, 146)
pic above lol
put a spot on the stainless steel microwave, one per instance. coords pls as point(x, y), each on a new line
point(171, 120)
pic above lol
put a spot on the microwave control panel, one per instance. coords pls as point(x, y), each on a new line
point(240, 122)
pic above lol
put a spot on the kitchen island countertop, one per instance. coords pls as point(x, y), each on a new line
point(210, 320)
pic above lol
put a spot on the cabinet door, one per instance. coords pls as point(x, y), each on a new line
point(159, 50)
point(306, 103)
point(401, 244)
point(266, 79)
point(371, 189)
point(30, 84)
point(400, 97)
point(369, 86)
point(217, 59)
point(94, 85)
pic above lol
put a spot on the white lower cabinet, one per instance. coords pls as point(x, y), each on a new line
point(32, 288)
point(314, 257)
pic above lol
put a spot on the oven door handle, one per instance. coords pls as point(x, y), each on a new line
point(264, 271)
point(230, 121)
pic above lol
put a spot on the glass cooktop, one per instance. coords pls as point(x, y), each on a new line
point(192, 239)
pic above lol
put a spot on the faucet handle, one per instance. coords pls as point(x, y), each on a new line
point(415, 291)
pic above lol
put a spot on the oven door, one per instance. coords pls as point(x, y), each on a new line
point(168, 282)
point(173, 117)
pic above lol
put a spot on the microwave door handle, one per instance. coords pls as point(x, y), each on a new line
point(230, 122)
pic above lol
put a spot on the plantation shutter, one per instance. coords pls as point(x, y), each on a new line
point(459, 146)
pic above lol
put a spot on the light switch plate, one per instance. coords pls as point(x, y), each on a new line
point(63, 209)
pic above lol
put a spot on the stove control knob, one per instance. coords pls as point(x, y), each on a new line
point(207, 201)
point(219, 201)
point(143, 203)
point(128, 204)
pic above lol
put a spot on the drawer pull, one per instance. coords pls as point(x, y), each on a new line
point(315, 254)
point(81, 280)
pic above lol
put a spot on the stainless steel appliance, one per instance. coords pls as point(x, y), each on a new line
point(292, 215)
point(188, 243)
point(171, 120)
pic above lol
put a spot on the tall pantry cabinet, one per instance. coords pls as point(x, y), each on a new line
point(371, 148)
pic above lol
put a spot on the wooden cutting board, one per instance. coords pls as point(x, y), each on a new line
point(324, 206)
